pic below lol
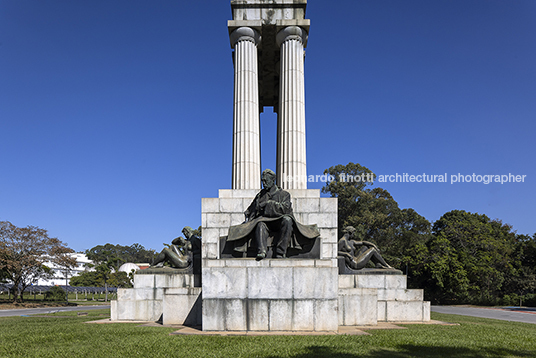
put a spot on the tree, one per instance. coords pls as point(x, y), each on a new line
point(524, 261)
point(471, 258)
point(86, 279)
point(118, 254)
point(120, 279)
point(401, 234)
point(23, 252)
point(95, 279)
point(108, 258)
point(105, 260)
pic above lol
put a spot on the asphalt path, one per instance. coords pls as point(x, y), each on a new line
point(29, 311)
point(514, 314)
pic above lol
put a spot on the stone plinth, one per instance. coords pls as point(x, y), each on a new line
point(270, 295)
point(358, 306)
point(394, 302)
point(182, 306)
point(173, 298)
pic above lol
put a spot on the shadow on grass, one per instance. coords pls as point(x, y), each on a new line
point(408, 350)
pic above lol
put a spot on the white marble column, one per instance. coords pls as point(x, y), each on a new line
point(246, 126)
point(291, 162)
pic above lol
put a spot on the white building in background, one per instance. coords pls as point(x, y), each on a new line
point(60, 273)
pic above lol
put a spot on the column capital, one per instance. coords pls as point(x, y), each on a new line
point(244, 34)
point(291, 33)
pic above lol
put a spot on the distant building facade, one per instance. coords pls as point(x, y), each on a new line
point(60, 273)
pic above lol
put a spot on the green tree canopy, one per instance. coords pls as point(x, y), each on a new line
point(524, 261)
point(96, 279)
point(116, 255)
point(471, 258)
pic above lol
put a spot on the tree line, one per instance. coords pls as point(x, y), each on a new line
point(462, 258)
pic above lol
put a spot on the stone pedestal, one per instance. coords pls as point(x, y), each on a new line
point(173, 298)
point(271, 294)
point(361, 296)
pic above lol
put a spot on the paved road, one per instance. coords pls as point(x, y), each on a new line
point(515, 314)
point(28, 311)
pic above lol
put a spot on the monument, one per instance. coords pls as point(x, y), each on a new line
point(269, 258)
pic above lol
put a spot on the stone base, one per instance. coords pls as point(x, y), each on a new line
point(182, 306)
point(385, 296)
point(270, 295)
point(345, 270)
point(170, 297)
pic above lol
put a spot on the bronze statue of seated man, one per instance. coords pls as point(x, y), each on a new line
point(357, 254)
point(270, 215)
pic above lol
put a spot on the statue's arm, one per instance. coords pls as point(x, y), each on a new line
point(370, 244)
point(251, 210)
point(344, 254)
point(281, 205)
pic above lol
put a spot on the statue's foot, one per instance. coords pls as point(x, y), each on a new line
point(380, 266)
point(260, 256)
point(158, 265)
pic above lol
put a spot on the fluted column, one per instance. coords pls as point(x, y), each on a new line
point(246, 126)
point(291, 158)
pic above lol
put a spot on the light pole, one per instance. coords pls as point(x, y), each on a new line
point(66, 290)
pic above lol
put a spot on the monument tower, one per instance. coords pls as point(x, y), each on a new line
point(268, 38)
point(307, 285)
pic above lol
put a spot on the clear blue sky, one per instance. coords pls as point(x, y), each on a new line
point(116, 116)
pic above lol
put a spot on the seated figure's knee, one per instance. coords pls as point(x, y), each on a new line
point(261, 226)
point(286, 221)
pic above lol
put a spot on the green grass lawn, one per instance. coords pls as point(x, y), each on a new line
point(73, 297)
point(65, 335)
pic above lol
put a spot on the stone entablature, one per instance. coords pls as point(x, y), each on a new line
point(268, 11)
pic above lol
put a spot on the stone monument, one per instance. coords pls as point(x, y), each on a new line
point(261, 277)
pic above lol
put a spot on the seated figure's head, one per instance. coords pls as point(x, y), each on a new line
point(350, 230)
point(268, 178)
point(179, 241)
point(188, 231)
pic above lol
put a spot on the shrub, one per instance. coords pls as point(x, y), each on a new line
point(55, 293)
